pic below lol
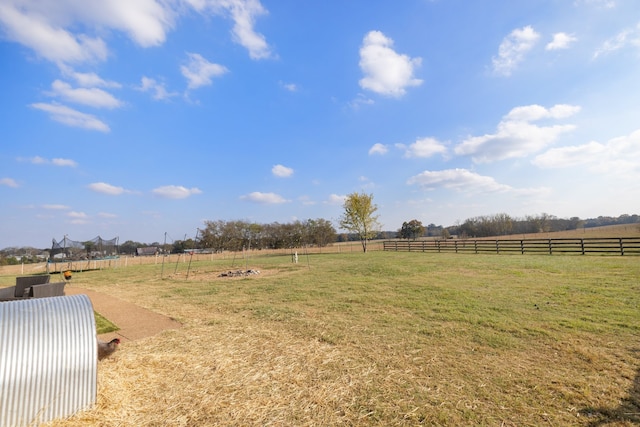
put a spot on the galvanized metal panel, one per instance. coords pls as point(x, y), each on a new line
point(48, 359)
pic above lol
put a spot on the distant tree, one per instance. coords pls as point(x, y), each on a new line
point(129, 247)
point(359, 217)
point(411, 230)
point(320, 232)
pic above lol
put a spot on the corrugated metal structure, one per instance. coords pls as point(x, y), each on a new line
point(48, 359)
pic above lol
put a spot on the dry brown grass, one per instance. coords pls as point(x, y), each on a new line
point(380, 339)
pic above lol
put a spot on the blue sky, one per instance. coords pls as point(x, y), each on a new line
point(136, 119)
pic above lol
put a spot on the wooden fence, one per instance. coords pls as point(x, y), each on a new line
point(584, 246)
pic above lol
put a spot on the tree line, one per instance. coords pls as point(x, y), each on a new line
point(238, 235)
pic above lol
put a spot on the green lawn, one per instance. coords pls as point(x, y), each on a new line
point(104, 325)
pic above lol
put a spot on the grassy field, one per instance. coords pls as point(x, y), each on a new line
point(378, 339)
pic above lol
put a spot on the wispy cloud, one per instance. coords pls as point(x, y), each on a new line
point(78, 217)
point(336, 199)
point(107, 215)
point(93, 97)
point(64, 162)
point(264, 198)
point(606, 4)
point(55, 207)
point(513, 49)
point(423, 148)
point(378, 148)
point(175, 191)
point(516, 136)
point(385, 71)
point(282, 171)
point(625, 38)
point(9, 182)
point(87, 79)
point(561, 41)
point(70, 117)
point(463, 180)
point(37, 160)
point(618, 156)
point(291, 87)
point(157, 89)
point(104, 188)
point(359, 101)
point(200, 72)
point(244, 14)
point(32, 24)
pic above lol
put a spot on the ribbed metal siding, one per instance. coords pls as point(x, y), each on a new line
point(48, 360)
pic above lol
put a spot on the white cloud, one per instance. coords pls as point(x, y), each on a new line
point(175, 191)
point(68, 31)
point(88, 79)
point(243, 13)
point(457, 179)
point(625, 38)
point(282, 171)
point(8, 182)
point(561, 41)
point(48, 27)
point(264, 198)
point(37, 160)
point(78, 217)
point(56, 207)
point(378, 148)
point(569, 156)
point(335, 199)
point(70, 117)
point(423, 148)
point(107, 215)
point(158, 90)
point(618, 156)
point(607, 4)
point(92, 97)
point(359, 101)
point(516, 136)
point(33, 24)
point(104, 188)
point(64, 162)
point(513, 49)
point(466, 181)
point(199, 71)
point(291, 87)
point(385, 71)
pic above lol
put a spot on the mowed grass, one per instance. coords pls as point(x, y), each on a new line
point(378, 339)
point(104, 325)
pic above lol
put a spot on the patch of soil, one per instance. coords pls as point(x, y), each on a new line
point(134, 321)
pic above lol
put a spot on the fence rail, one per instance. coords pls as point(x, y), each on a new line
point(580, 246)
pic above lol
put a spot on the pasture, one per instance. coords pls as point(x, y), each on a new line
point(381, 338)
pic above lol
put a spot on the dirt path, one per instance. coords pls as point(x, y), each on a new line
point(134, 322)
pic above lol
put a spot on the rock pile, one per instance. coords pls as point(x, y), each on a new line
point(239, 273)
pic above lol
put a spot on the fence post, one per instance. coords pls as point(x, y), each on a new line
point(582, 245)
point(550, 248)
point(521, 247)
point(621, 246)
point(475, 246)
point(455, 243)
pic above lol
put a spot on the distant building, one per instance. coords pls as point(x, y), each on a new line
point(149, 251)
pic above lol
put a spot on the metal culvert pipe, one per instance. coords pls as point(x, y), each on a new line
point(48, 360)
